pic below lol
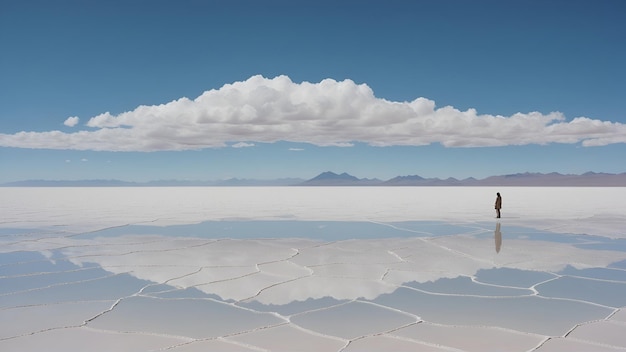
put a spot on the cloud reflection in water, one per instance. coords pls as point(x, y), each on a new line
point(168, 280)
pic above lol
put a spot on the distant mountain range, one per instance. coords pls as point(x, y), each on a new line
point(332, 179)
point(589, 179)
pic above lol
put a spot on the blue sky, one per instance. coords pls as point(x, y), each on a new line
point(144, 90)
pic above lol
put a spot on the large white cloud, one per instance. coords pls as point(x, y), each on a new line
point(325, 113)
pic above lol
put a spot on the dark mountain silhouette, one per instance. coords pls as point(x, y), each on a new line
point(406, 180)
point(329, 178)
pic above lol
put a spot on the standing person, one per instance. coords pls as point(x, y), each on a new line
point(498, 204)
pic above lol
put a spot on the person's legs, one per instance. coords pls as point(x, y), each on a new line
point(498, 213)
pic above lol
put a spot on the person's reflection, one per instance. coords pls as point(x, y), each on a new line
point(498, 236)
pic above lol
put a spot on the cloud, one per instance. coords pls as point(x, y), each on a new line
point(296, 149)
point(328, 113)
point(242, 145)
point(71, 121)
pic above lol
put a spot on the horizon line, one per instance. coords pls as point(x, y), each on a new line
point(216, 182)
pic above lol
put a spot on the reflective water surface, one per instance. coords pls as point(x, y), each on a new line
point(283, 285)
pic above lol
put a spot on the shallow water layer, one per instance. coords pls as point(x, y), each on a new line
point(312, 285)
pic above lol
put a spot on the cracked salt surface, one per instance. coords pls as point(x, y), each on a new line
point(314, 269)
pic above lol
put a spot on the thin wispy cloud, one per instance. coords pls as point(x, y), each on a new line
point(242, 145)
point(328, 113)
